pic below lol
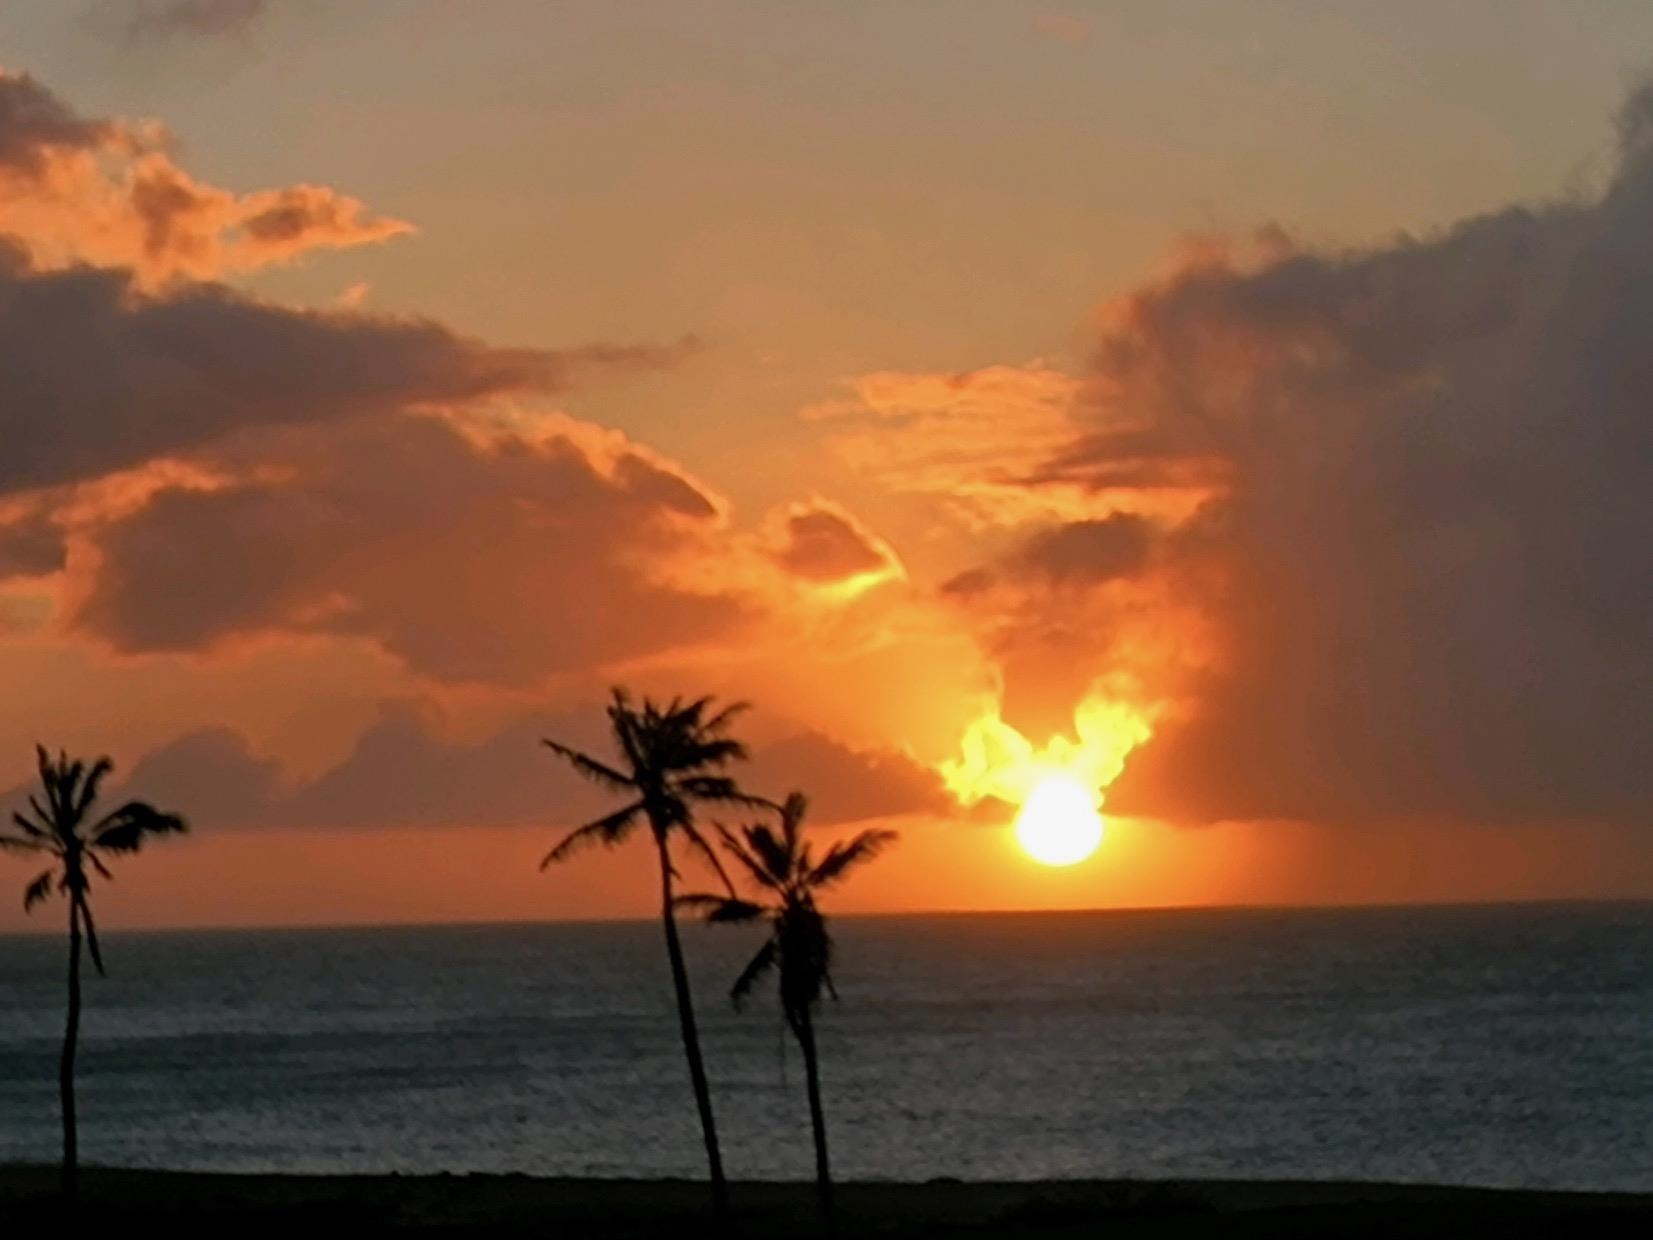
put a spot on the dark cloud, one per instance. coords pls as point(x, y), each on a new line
point(200, 18)
point(1432, 559)
point(1073, 555)
point(34, 121)
point(101, 377)
point(848, 785)
point(1046, 609)
point(403, 773)
point(214, 771)
point(824, 545)
point(496, 558)
point(31, 546)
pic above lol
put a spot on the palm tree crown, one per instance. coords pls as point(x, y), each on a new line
point(783, 867)
point(671, 758)
point(59, 825)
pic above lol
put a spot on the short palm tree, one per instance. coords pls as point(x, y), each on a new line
point(62, 828)
point(671, 760)
point(799, 949)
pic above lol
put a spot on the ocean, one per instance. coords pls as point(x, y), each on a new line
point(1508, 1045)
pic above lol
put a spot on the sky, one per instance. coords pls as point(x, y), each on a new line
point(1239, 407)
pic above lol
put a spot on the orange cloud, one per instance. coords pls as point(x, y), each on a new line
point(504, 560)
point(966, 441)
point(825, 545)
point(109, 192)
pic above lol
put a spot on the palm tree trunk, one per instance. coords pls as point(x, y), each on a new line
point(66, 1066)
point(691, 1037)
point(804, 1027)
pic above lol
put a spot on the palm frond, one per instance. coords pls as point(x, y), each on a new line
point(48, 782)
point(721, 721)
point(792, 812)
point(755, 968)
point(772, 851)
point(63, 794)
point(89, 789)
point(718, 910)
point(847, 854)
point(124, 830)
point(697, 752)
point(623, 720)
point(738, 850)
point(13, 844)
point(38, 890)
point(719, 788)
point(44, 823)
point(599, 773)
point(609, 830)
point(698, 842)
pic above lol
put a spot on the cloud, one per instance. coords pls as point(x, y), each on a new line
point(109, 192)
point(848, 785)
point(404, 771)
point(178, 370)
point(1077, 609)
point(1076, 554)
point(200, 18)
point(472, 553)
point(1428, 548)
point(34, 124)
point(31, 544)
point(966, 441)
point(825, 545)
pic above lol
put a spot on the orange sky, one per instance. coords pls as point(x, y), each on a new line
point(1243, 418)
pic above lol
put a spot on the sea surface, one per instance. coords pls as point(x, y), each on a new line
point(1504, 1045)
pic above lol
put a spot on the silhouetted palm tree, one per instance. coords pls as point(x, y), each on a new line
point(799, 947)
point(670, 761)
point(63, 830)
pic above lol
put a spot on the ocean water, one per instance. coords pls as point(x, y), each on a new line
point(1500, 1046)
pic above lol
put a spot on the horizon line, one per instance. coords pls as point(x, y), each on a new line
point(891, 914)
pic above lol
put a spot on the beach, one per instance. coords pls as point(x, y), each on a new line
point(512, 1205)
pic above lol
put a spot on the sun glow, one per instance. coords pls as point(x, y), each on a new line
point(1059, 823)
point(1059, 787)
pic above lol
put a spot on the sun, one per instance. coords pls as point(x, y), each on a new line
point(1059, 823)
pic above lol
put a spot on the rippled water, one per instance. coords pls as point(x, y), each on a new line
point(1505, 1045)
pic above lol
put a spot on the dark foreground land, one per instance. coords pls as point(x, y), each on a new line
point(235, 1207)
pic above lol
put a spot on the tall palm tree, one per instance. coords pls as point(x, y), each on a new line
point(671, 760)
point(788, 879)
point(63, 830)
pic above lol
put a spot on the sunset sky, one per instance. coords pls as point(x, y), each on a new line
point(1243, 406)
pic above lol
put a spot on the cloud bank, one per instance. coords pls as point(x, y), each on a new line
point(1419, 578)
point(404, 772)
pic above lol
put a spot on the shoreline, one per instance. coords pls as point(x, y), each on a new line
point(508, 1205)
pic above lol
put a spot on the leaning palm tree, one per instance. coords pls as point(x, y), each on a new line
point(799, 948)
point(63, 830)
point(671, 760)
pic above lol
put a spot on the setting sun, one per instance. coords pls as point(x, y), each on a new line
point(1059, 823)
